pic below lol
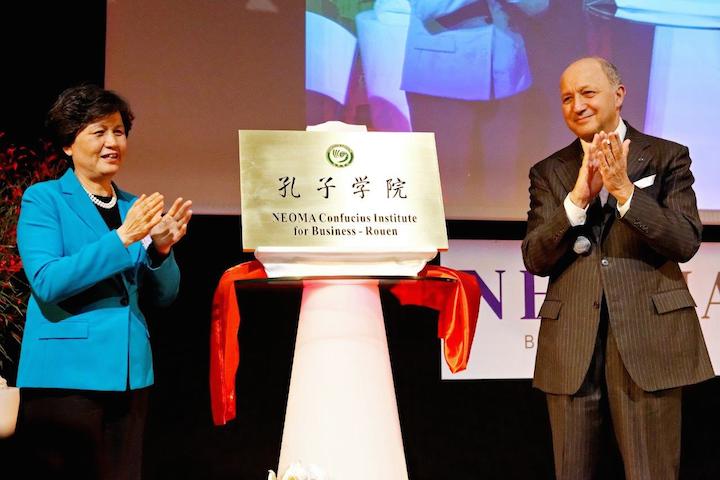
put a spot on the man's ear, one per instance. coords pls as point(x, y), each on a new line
point(619, 96)
point(68, 151)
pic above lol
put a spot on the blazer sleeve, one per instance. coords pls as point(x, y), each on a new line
point(669, 224)
point(53, 274)
point(162, 283)
point(546, 240)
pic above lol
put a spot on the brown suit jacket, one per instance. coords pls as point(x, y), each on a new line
point(633, 262)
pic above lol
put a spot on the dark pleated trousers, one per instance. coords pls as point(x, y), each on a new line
point(646, 425)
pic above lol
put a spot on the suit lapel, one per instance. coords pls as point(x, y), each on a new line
point(80, 203)
point(570, 159)
point(636, 157)
point(125, 200)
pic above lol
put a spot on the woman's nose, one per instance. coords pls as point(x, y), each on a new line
point(110, 139)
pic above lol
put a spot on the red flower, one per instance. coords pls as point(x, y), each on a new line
point(20, 167)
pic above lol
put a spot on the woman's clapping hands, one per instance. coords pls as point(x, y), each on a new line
point(145, 218)
point(142, 216)
point(172, 227)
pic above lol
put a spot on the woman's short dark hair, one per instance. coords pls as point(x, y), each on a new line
point(78, 107)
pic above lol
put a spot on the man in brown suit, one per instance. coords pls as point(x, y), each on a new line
point(610, 217)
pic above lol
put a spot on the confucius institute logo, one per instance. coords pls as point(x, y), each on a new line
point(339, 155)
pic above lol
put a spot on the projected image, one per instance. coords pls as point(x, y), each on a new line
point(483, 76)
point(684, 67)
point(678, 13)
point(411, 66)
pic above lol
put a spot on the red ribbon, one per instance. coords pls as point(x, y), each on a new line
point(458, 303)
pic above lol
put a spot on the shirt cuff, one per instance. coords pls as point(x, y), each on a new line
point(576, 215)
point(622, 209)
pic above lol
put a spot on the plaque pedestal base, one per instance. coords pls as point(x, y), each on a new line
point(342, 414)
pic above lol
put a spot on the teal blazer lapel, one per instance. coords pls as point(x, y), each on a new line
point(125, 201)
point(78, 200)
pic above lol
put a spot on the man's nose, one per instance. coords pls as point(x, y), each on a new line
point(578, 104)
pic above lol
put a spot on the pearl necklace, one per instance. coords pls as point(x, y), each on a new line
point(106, 205)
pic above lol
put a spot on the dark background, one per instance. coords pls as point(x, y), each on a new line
point(473, 429)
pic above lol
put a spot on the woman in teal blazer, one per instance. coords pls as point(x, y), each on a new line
point(91, 252)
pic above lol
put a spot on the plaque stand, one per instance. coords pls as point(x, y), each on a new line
point(341, 413)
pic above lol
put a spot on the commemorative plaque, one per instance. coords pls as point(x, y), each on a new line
point(364, 191)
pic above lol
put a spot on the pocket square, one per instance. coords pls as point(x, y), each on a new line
point(645, 181)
